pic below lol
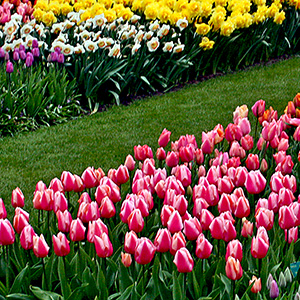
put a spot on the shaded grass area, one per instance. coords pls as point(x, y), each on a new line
point(104, 139)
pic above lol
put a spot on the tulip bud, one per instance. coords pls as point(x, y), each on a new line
point(233, 268)
point(17, 198)
point(162, 240)
point(77, 230)
point(281, 280)
point(26, 237)
point(164, 138)
point(203, 247)
point(9, 67)
point(103, 245)
point(183, 261)
point(144, 251)
point(126, 259)
point(288, 275)
point(40, 247)
point(7, 234)
point(61, 245)
point(3, 213)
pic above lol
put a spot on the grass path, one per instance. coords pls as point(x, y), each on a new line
point(104, 139)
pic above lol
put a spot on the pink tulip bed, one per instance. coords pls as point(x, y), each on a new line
point(215, 220)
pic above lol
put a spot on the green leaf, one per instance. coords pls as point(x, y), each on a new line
point(124, 278)
point(226, 282)
point(19, 296)
point(197, 289)
point(176, 291)
point(101, 283)
point(65, 288)
point(44, 295)
point(88, 278)
point(127, 293)
point(3, 290)
point(79, 292)
point(19, 281)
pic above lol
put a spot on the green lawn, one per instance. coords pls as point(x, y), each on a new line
point(104, 139)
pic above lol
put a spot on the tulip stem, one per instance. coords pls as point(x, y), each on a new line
point(232, 289)
point(259, 266)
point(142, 280)
point(44, 271)
point(8, 266)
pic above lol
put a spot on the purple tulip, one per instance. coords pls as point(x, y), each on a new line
point(274, 291)
point(9, 67)
point(61, 58)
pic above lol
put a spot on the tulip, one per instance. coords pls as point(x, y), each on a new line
point(96, 227)
point(247, 142)
point(77, 230)
point(264, 217)
point(178, 241)
point(255, 182)
point(130, 242)
point(227, 203)
point(187, 153)
point(287, 218)
point(289, 182)
point(256, 287)
point(136, 221)
point(184, 175)
point(161, 154)
point(192, 229)
point(21, 220)
point(199, 156)
point(233, 268)
point(291, 235)
point(107, 208)
point(242, 207)
point(199, 204)
point(60, 202)
point(144, 251)
point(64, 220)
point(115, 195)
point(102, 191)
point(206, 219)
point(174, 223)
point(3, 213)
point(162, 240)
point(165, 214)
point(126, 209)
point(285, 197)
point(17, 198)
point(234, 249)
point(26, 237)
point(252, 162)
point(274, 291)
point(46, 200)
point(89, 178)
point(40, 247)
point(126, 259)
point(9, 67)
point(7, 234)
point(208, 143)
point(233, 132)
point(88, 212)
point(68, 181)
point(56, 185)
point(78, 184)
point(142, 152)
point(129, 163)
point(260, 244)
point(203, 247)
point(164, 138)
point(172, 159)
point(61, 245)
point(286, 166)
point(183, 261)
point(258, 108)
point(225, 185)
point(103, 245)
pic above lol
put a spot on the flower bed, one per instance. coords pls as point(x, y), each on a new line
point(112, 50)
point(219, 220)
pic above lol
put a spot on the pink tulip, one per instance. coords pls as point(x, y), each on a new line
point(96, 227)
point(285, 197)
point(213, 174)
point(129, 163)
point(206, 219)
point(88, 212)
point(162, 240)
point(227, 203)
point(289, 182)
point(234, 249)
point(107, 208)
point(184, 175)
point(172, 159)
point(144, 251)
point(264, 217)
point(115, 195)
point(78, 184)
point(111, 174)
point(174, 223)
point(142, 152)
point(229, 231)
point(247, 229)
point(233, 268)
point(187, 153)
point(225, 185)
point(233, 132)
point(103, 245)
point(68, 181)
point(183, 261)
point(247, 142)
point(141, 184)
point(3, 213)
point(165, 214)
point(256, 287)
point(161, 154)
point(269, 130)
point(47, 200)
point(102, 191)
point(89, 178)
point(61, 245)
point(7, 234)
point(285, 166)
point(127, 207)
point(84, 198)
point(258, 108)
point(208, 143)
point(217, 228)
point(236, 150)
point(164, 138)
point(252, 162)
point(203, 247)
point(260, 244)
point(77, 230)
point(40, 246)
point(60, 202)
point(136, 221)
point(26, 237)
point(56, 185)
point(64, 220)
point(172, 183)
point(147, 196)
point(291, 235)
point(192, 229)
point(178, 241)
point(17, 198)
point(126, 259)
point(130, 242)
point(199, 156)
point(255, 182)
point(199, 204)
point(287, 218)
point(21, 219)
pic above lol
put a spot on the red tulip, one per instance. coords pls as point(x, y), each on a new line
point(235, 250)
point(233, 268)
point(256, 287)
point(203, 247)
point(68, 181)
point(61, 245)
point(144, 251)
point(3, 213)
point(88, 212)
point(103, 245)
point(172, 159)
point(247, 229)
point(64, 220)
point(255, 182)
point(126, 259)
point(174, 223)
point(252, 162)
point(77, 230)
point(258, 108)
point(40, 247)
point(287, 218)
point(178, 241)
point(291, 235)
point(136, 221)
point(264, 217)
point(56, 185)
point(60, 202)
point(162, 240)
point(130, 242)
point(161, 154)
point(78, 184)
point(26, 237)
point(17, 198)
point(192, 229)
point(142, 152)
point(96, 227)
point(7, 234)
point(164, 138)
point(21, 219)
point(183, 261)
point(208, 142)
